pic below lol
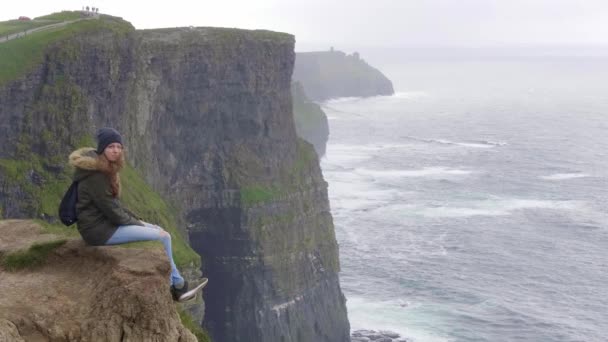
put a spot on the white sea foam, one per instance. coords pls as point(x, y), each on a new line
point(460, 212)
point(340, 100)
point(347, 178)
point(495, 207)
point(343, 155)
point(401, 95)
point(386, 146)
point(424, 172)
point(410, 94)
point(342, 148)
point(562, 176)
point(466, 143)
point(342, 159)
point(474, 145)
point(349, 193)
point(489, 142)
point(364, 314)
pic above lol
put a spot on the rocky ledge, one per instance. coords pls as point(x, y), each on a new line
point(59, 289)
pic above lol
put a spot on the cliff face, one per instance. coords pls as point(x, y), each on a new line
point(206, 116)
point(331, 74)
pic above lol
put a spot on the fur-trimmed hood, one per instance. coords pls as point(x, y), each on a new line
point(86, 161)
point(84, 158)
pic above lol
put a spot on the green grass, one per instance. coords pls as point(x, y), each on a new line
point(48, 194)
point(58, 229)
point(200, 333)
point(61, 16)
point(14, 26)
point(253, 194)
point(31, 258)
point(146, 203)
point(12, 168)
point(228, 34)
point(18, 56)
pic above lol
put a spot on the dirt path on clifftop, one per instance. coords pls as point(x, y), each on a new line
point(107, 293)
point(6, 38)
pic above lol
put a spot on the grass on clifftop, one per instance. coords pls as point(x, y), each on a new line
point(32, 257)
point(20, 55)
point(227, 34)
point(61, 16)
point(14, 26)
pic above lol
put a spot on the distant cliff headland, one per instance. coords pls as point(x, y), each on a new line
point(332, 74)
point(213, 156)
point(323, 75)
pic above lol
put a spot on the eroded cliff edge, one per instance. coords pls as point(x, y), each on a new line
point(206, 117)
point(82, 293)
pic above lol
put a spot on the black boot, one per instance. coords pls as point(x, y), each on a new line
point(176, 293)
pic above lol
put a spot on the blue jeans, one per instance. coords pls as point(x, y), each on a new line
point(132, 233)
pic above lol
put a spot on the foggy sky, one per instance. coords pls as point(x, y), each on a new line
point(368, 22)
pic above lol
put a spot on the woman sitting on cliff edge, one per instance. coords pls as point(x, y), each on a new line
point(102, 219)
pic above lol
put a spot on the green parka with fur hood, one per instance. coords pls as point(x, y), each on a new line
point(99, 213)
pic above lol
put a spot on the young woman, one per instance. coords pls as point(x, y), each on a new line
point(102, 219)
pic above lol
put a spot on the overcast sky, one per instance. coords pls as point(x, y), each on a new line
point(367, 22)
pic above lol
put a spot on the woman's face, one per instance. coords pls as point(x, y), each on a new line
point(113, 151)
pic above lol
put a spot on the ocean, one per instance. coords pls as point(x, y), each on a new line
point(472, 204)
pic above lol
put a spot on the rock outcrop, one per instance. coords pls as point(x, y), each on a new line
point(376, 336)
point(331, 74)
point(206, 117)
point(84, 293)
point(311, 121)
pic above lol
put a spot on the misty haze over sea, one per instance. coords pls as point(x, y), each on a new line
point(471, 206)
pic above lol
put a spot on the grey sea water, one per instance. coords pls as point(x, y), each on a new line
point(472, 205)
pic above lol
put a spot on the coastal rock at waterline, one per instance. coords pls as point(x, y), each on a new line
point(376, 336)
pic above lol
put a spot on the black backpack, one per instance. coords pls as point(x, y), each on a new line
point(67, 207)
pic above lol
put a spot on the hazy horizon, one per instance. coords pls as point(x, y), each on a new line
point(318, 25)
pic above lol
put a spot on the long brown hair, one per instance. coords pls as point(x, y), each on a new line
point(111, 170)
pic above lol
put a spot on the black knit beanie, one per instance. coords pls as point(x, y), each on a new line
point(106, 136)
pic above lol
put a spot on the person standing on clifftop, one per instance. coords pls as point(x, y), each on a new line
point(102, 219)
